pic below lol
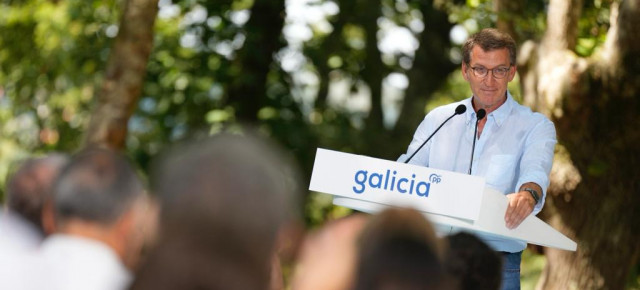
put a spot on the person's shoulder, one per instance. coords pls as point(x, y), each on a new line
point(532, 121)
point(445, 111)
point(523, 111)
point(18, 232)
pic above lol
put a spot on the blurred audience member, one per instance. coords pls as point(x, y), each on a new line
point(399, 250)
point(329, 256)
point(28, 190)
point(21, 229)
point(474, 264)
point(18, 244)
point(224, 203)
point(99, 205)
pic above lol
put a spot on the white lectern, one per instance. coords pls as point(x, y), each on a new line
point(451, 200)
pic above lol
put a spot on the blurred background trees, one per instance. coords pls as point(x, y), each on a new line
point(355, 76)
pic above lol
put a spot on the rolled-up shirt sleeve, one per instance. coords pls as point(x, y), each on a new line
point(537, 158)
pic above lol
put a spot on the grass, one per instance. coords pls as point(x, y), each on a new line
point(531, 269)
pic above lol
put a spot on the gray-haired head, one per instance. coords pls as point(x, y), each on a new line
point(30, 186)
point(98, 185)
point(489, 39)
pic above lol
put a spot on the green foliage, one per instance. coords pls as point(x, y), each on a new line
point(593, 27)
point(633, 281)
point(52, 55)
point(455, 89)
point(531, 269)
point(475, 15)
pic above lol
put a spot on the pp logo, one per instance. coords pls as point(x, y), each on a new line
point(434, 178)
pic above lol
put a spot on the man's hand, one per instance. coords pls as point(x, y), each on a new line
point(520, 206)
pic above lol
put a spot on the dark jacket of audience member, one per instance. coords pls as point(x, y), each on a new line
point(223, 201)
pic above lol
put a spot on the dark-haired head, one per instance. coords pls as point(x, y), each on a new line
point(98, 186)
point(224, 200)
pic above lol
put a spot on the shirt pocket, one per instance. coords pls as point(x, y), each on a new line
point(501, 172)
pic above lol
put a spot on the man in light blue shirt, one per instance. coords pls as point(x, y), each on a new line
point(514, 146)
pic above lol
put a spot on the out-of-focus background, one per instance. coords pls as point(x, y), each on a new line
point(355, 76)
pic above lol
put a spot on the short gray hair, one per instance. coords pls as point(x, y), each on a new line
point(99, 185)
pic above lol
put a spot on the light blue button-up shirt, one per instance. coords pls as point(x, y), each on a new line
point(516, 146)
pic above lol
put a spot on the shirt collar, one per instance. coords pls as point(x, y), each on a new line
point(470, 114)
point(499, 115)
point(502, 112)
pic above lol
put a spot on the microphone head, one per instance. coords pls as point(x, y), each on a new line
point(480, 114)
point(461, 109)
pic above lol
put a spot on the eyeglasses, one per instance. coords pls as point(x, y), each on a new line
point(498, 72)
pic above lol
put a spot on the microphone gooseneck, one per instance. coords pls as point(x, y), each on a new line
point(460, 109)
point(479, 115)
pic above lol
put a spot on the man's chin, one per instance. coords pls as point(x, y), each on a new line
point(487, 102)
point(490, 95)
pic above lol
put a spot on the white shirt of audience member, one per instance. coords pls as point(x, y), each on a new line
point(76, 263)
point(19, 241)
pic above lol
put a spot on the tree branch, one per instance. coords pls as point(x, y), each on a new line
point(125, 73)
point(562, 24)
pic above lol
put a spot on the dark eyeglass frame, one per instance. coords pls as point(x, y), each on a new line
point(497, 72)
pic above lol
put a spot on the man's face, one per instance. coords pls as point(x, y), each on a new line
point(488, 92)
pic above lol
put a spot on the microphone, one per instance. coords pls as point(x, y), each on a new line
point(460, 109)
point(479, 115)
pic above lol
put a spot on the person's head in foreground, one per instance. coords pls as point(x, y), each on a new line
point(29, 188)
point(224, 201)
point(399, 250)
point(474, 264)
point(100, 209)
point(329, 255)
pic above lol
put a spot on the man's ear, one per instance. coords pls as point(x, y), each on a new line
point(124, 227)
point(137, 228)
point(48, 218)
point(512, 72)
point(465, 71)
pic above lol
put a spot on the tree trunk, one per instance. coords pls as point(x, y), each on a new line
point(430, 70)
point(374, 70)
point(264, 38)
point(507, 11)
point(332, 44)
point(594, 102)
point(125, 74)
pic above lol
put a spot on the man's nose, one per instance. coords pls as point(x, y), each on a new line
point(489, 79)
